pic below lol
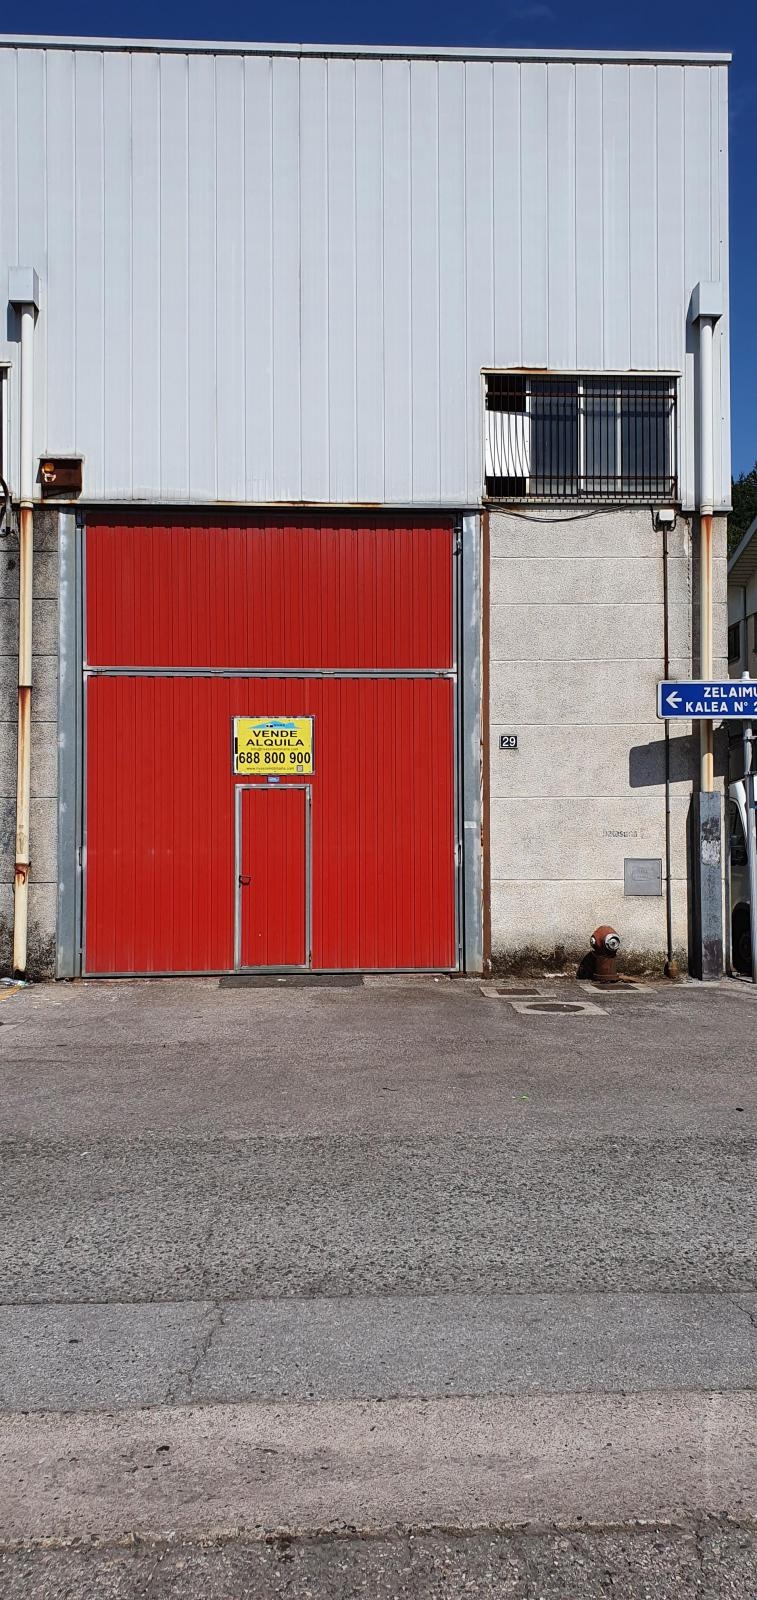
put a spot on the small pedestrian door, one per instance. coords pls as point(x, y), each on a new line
point(273, 890)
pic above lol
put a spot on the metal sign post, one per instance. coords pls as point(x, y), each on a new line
point(730, 699)
point(705, 701)
point(752, 857)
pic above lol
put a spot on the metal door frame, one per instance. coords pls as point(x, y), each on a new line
point(274, 788)
point(72, 753)
point(471, 754)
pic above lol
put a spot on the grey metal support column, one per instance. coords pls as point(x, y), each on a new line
point(707, 875)
point(70, 749)
point(471, 776)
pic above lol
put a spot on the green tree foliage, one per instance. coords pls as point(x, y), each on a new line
point(744, 501)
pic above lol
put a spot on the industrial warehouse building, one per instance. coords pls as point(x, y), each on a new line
point(350, 399)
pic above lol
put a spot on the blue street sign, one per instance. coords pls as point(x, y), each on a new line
point(735, 697)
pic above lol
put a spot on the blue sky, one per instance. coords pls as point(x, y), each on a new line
point(595, 24)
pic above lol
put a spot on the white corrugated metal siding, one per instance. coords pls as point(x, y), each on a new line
point(278, 277)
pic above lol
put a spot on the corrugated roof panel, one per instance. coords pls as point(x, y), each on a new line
point(279, 278)
point(258, 335)
point(453, 352)
point(589, 219)
point(397, 325)
point(643, 240)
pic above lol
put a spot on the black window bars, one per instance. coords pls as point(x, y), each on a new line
point(590, 438)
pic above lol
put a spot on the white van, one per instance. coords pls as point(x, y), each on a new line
point(741, 945)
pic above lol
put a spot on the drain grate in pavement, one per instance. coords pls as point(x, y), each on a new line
point(291, 980)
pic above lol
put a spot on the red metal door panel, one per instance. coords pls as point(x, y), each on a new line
point(186, 592)
point(383, 824)
point(159, 827)
point(160, 820)
point(273, 877)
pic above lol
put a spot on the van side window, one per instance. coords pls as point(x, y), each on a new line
point(737, 841)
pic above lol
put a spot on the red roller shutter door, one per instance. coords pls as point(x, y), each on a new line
point(358, 619)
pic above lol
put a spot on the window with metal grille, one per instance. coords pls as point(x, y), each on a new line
point(592, 438)
point(734, 641)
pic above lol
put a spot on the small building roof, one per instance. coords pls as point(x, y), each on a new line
point(742, 564)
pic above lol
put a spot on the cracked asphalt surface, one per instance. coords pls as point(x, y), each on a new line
point(709, 1560)
point(381, 1256)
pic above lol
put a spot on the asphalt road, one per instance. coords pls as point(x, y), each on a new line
point(711, 1560)
point(395, 1256)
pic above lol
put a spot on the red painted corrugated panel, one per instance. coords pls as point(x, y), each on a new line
point(160, 866)
point(269, 593)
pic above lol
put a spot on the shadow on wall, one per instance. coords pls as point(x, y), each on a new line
point(646, 762)
point(646, 769)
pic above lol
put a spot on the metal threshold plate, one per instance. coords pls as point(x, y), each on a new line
point(291, 980)
point(512, 994)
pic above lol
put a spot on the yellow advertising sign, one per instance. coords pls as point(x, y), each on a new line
point(266, 746)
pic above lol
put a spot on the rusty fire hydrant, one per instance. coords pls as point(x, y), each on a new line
point(605, 943)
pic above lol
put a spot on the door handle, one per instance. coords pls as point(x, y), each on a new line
point(243, 881)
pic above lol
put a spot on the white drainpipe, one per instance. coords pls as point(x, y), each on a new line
point(706, 309)
point(24, 294)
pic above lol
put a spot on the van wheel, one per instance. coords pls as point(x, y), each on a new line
point(741, 941)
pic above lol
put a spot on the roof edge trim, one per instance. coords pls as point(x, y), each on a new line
point(401, 52)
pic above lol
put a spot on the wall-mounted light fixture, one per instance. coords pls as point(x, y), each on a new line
point(61, 475)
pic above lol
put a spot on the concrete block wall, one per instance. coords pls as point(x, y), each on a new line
point(44, 772)
point(576, 652)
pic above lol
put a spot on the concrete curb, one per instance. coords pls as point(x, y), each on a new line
point(374, 1466)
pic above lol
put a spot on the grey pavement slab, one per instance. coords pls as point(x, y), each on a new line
point(173, 1141)
point(185, 1060)
point(70, 1358)
point(388, 1255)
point(235, 1217)
point(712, 1558)
point(478, 1345)
point(65, 1357)
point(376, 1465)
